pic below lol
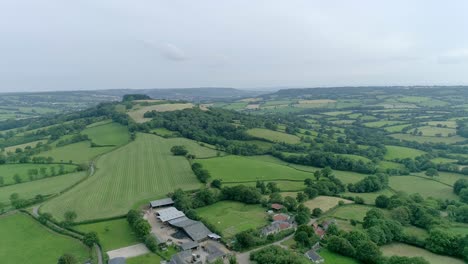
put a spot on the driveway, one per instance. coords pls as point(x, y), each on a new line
point(128, 252)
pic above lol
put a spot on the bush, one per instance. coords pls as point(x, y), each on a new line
point(179, 150)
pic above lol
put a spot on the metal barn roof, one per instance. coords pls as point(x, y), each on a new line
point(162, 202)
point(169, 214)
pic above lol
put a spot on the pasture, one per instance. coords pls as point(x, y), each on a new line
point(352, 211)
point(113, 234)
point(149, 258)
point(22, 146)
point(80, 152)
point(424, 139)
point(331, 257)
point(400, 249)
point(355, 157)
point(273, 136)
point(396, 152)
point(143, 169)
point(395, 129)
point(382, 123)
point(369, 198)
point(449, 124)
point(445, 177)
point(111, 134)
point(24, 240)
point(8, 171)
point(200, 150)
point(242, 169)
point(45, 186)
point(384, 165)
point(233, 217)
point(423, 186)
point(324, 202)
point(137, 112)
point(432, 131)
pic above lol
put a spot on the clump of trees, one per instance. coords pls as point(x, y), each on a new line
point(202, 174)
point(140, 226)
point(371, 183)
point(179, 150)
point(277, 255)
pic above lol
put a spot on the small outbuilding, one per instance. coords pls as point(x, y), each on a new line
point(189, 245)
point(161, 203)
point(313, 256)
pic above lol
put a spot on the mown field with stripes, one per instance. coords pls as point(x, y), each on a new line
point(143, 169)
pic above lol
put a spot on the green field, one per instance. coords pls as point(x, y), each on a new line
point(369, 198)
point(400, 249)
point(396, 152)
point(353, 211)
point(324, 202)
point(233, 217)
point(80, 152)
point(24, 240)
point(449, 124)
point(424, 139)
point(355, 157)
point(163, 132)
point(143, 169)
point(432, 131)
point(445, 177)
point(137, 112)
point(382, 123)
point(242, 169)
point(45, 186)
point(425, 187)
point(113, 234)
point(22, 146)
point(193, 147)
point(111, 134)
point(274, 136)
point(8, 171)
point(334, 258)
point(395, 129)
point(150, 258)
point(383, 165)
point(443, 160)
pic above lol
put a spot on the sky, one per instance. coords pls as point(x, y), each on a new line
point(250, 44)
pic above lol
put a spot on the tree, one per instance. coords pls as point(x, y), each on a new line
point(317, 175)
point(90, 239)
point(358, 200)
point(459, 185)
point(431, 172)
point(216, 183)
point(179, 150)
point(302, 239)
point(401, 214)
point(290, 203)
point(67, 259)
point(141, 228)
point(340, 245)
point(44, 218)
point(17, 178)
point(132, 216)
point(311, 192)
point(464, 195)
point(2, 207)
point(2, 181)
point(69, 216)
point(301, 197)
point(43, 171)
point(151, 243)
point(382, 201)
point(317, 212)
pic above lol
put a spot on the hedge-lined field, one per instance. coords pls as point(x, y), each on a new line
point(24, 240)
point(8, 171)
point(143, 169)
point(45, 186)
point(108, 134)
point(400, 249)
point(396, 152)
point(80, 152)
point(425, 187)
point(274, 136)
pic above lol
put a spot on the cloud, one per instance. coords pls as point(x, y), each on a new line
point(454, 57)
point(173, 53)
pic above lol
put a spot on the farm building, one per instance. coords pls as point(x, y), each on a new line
point(280, 217)
point(197, 231)
point(184, 257)
point(161, 203)
point(276, 227)
point(313, 256)
point(189, 246)
point(168, 214)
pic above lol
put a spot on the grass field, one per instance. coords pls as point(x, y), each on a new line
point(80, 152)
point(109, 134)
point(353, 211)
point(425, 187)
point(112, 234)
point(193, 147)
point(45, 186)
point(241, 169)
point(415, 231)
point(432, 131)
point(333, 258)
point(233, 217)
point(355, 157)
point(423, 139)
point(22, 146)
point(443, 160)
point(274, 136)
point(143, 169)
point(137, 112)
point(400, 249)
point(377, 124)
point(324, 202)
point(445, 177)
point(369, 198)
point(396, 152)
point(26, 241)
point(383, 165)
point(163, 132)
point(395, 129)
point(8, 171)
point(449, 124)
point(150, 258)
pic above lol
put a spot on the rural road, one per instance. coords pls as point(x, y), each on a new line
point(243, 258)
point(35, 210)
point(99, 253)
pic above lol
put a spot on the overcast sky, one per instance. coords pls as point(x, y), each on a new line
point(107, 44)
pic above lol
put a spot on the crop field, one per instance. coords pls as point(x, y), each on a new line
point(80, 152)
point(143, 169)
point(396, 152)
point(400, 249)
point(352, 211)
point(324, 202)
point(424, 139)
point(45, 186)
point(431, 131)
point(425, 187)
point(369, 198)
point(111, 134)
point(233, 217)
point(242, 169)
point(25, 240)
point(8, 171)
point(22, 146)
point(274, 136)
point(113, 234)
point(137, 112)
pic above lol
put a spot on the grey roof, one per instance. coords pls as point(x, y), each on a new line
point(162, 202)
point(214, 251)
point(169, 214)
point(119, 260)
point(182, 222)
point(197, 231)
point(189, 245)
point(312, 255)
point(180, 257)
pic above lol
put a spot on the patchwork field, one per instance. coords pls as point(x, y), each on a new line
point(395, 129)
point(396, 152)
point(425, 187)
point(233, 217)
point(138, 111)
point(445, 177)
point(111, 134)
point(24, 240)
point(325, 202)
point(423, 139)
point(400, 249)
point(381, 123)
point(112, 234)
point(274, 136)
point(80, 152)
point(432, 131)
point(143, 169)
point(8, 171)
point(45, 186)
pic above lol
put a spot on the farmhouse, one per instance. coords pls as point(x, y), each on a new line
point(161, 203)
